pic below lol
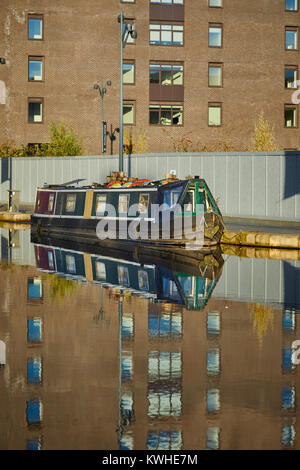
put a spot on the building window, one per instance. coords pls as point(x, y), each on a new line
point(215, 35)
point(290, 76)
point(166, 115)
point(35, 27)
point(168, 2)
point(291, 38)
point(291, 5)
point(35, 110)
point(128, 73)
point(290, 116)
point(35, 69)
point(215, 75)
point(127, 1)
point(130, 39)
point(128, 113)
point(166, 34)
point(214, 114)
point(215, 3)
point(166, 74)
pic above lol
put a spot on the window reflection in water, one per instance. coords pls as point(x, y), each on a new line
point(34, 370)
point(288, 321)
point(212, 438)
point(162, 325)
point(34, 330)
point(34, 411)
point(127, 326)
point(164, 440)
point(213, 400)
point(126, 366)
point(213, 361)
point(288, 398)
point(164, 383)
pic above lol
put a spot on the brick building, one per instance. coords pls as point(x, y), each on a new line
point(199, 70)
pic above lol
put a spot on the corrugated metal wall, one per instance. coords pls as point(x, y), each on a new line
point(260, 185)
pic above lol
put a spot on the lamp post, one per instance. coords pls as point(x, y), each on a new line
point(126, 29)
point(102, 91)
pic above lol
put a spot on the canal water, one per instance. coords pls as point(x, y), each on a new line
point(115, 350)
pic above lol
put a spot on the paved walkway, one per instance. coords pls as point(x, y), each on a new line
point(258, 225)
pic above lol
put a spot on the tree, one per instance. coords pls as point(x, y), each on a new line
point(263, 139)
point(63, 142)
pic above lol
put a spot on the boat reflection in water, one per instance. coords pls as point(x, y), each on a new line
point(178, 276)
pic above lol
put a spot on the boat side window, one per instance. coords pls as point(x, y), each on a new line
point(143, 203)
point(189, 202)
point(70, 264)
point(123, 203)
point(100, 204)
point(71, 203)
point(171, 197)
point(50, 202)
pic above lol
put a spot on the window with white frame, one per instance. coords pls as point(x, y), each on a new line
point(215, 33)
point(166, 34)
point(291, 5)
point(291, 38)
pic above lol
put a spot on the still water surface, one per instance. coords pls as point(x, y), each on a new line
point(111, 350)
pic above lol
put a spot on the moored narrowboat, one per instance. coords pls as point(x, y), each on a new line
point(168, 212)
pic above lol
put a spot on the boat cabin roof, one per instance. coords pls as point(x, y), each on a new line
point(143, 185)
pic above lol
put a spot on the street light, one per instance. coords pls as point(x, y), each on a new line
point(126, 30)
point(2, 60)
point(102, 91)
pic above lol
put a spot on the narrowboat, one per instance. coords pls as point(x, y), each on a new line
point(170, 279)
point(168, 212)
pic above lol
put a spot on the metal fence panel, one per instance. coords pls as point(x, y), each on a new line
point(255, 185)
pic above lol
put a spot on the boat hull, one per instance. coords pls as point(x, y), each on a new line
point(86, 230)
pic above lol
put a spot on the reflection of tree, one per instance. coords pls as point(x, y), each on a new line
point(59, 287)
point(262, 317)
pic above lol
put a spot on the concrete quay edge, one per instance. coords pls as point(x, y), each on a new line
point(16, 217)
point(261, 239)
point(230, 237)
